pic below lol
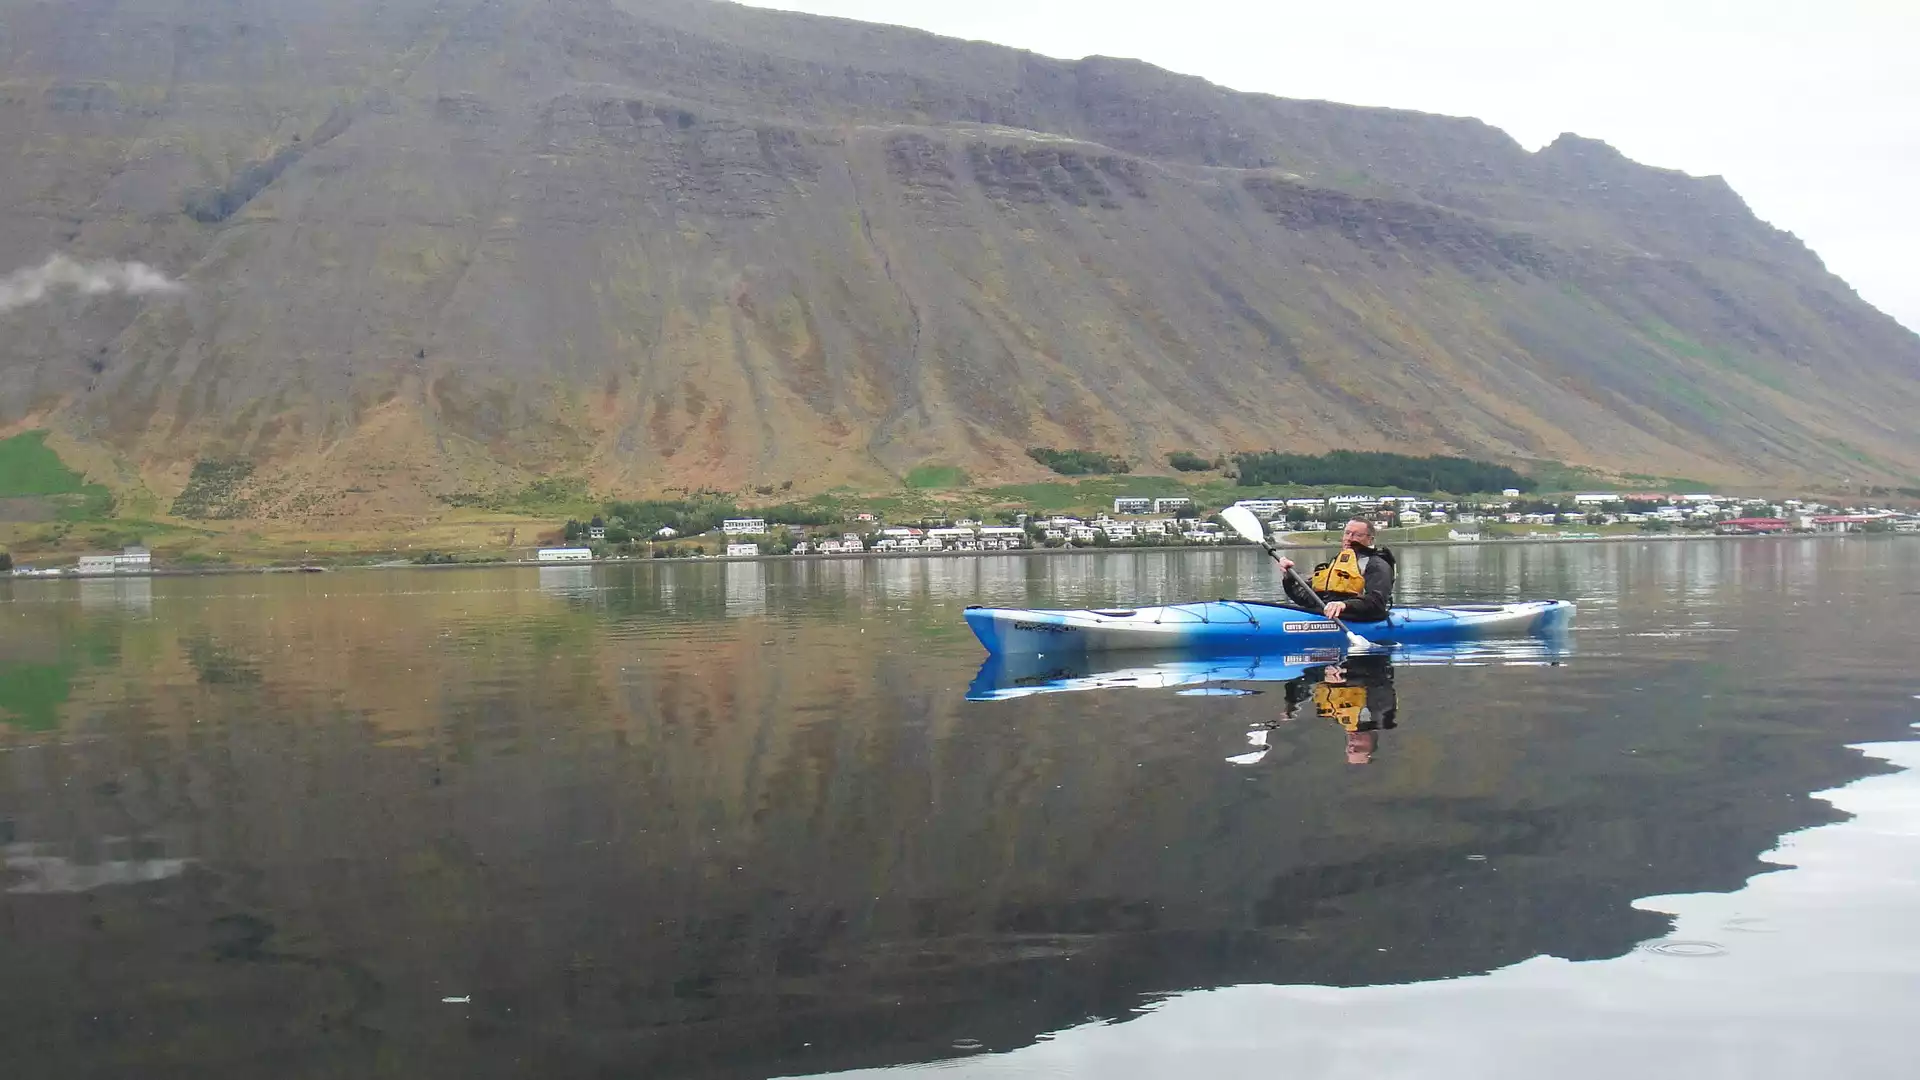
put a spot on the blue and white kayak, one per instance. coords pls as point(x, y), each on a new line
point(1249, 626)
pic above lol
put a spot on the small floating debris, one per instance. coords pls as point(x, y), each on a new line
point(1692, 950)
point(967, 1044)
point(456, 1000)
point(1476, 858)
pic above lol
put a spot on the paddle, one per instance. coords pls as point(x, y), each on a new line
point(1242, 521)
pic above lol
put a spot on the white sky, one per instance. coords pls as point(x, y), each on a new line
point(1809, 108)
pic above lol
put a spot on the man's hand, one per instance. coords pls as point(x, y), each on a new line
point(1334, 609)
point(1286, 564)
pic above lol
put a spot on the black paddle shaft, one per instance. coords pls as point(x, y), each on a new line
point(1319, 605)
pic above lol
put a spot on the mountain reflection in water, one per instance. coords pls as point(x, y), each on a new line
point(696, 821)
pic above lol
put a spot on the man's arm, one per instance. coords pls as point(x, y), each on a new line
point(1371, 605)
point(1295, 591)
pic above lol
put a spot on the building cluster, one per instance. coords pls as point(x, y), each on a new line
point(1174, 520)
point(133, 559)
point(744, 536)
point(1719, 513)
point(1316, 515)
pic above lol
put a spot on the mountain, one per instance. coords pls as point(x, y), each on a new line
point(439, 246)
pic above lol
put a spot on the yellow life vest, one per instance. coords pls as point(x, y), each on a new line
point(1341, 577)
point(1345, 704)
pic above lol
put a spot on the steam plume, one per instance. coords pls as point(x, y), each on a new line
point(23, 287)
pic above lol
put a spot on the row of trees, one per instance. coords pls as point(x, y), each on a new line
point(1353, 468)
point(1079, 462)
point(1377, 469)
point(1188, 461)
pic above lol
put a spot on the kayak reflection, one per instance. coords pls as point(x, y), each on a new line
point(1354, 691)
point(1002, 677)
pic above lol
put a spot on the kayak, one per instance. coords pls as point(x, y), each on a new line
point(1006, 676)
point(1250, 626)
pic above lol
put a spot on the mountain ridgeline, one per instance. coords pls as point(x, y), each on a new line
point(442, 246)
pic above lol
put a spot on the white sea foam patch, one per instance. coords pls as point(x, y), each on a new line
point(34, 284)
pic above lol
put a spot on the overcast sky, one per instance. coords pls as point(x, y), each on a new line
point(1809, 108)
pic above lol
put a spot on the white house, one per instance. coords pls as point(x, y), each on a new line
point(95, 564)
point(1132, 506)
point(565, 554)
point(596, 532)
point(744, 527)
point(1263, 507)
point(1171, 503)
point(737, 551)
point(133, 559)
point(666, 532)
point(1595, 498)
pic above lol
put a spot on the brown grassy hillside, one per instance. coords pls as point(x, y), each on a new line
point(442, 247)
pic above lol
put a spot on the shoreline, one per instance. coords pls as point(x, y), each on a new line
point(1285, 543)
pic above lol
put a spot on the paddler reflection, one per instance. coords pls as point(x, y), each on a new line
point(1356, 693)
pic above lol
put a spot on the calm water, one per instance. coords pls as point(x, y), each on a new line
point(742, 820)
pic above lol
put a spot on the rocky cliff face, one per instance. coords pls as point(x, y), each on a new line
point(434, 247)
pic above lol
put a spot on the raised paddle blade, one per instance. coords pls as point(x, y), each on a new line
point(1241, 520)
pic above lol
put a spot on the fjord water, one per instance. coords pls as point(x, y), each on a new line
point(737, 820)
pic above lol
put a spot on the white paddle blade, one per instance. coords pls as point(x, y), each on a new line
point(1241, 520)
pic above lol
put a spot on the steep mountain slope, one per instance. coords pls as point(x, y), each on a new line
point(434, 247)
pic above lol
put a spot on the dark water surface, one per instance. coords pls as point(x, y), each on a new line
point(740, 820)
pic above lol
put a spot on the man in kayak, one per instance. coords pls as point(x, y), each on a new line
point(1357, 584)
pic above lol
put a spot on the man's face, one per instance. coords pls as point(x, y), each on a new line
point(1360, 746)
point(1357, 532)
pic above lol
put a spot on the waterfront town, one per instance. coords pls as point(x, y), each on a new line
point(1174, 521)
point(1177, 521)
